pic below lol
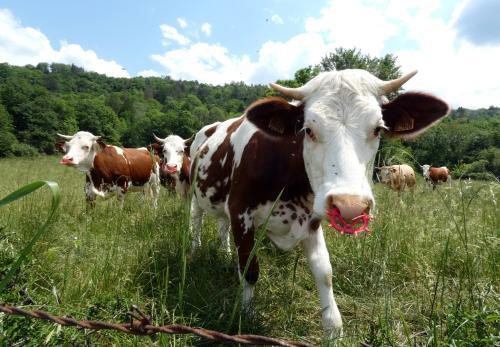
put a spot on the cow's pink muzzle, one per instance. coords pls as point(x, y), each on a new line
point(358, 224)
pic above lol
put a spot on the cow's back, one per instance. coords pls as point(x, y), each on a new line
point(439, 174)
point(115, 165)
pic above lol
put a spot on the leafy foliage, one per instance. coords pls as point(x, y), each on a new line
point(36, 102)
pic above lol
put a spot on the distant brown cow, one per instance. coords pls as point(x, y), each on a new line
point(110, 169)
point(436, 175)
point(397, 177)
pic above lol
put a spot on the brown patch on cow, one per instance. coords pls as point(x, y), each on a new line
point(314, 224)
point(211, 130)
point(285, 221)
point(294, 216)
point(438, 174)
point(204, 151)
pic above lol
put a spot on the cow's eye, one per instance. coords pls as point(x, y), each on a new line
point(180, 152)
point(85, 148)
point(377, 131)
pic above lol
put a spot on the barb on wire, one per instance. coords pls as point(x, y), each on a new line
point(141, 325)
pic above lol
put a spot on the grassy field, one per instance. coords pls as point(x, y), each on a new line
point(427, 275)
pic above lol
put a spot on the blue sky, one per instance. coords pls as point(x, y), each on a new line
point(220, 41)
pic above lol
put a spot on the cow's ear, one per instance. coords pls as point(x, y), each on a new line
point(60, 146)
point(99, 145)
point(155, 147)
point(187, 144)
point(412, 113)
point(276, 117)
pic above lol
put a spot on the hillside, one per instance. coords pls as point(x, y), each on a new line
point(38, 101)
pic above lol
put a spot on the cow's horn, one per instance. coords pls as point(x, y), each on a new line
point(66, 137)
point(97, 138)
point(294, 93)
point(393, 85)
point(158, 139)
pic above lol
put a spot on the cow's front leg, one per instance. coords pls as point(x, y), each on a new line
point(319, 261)
point(89, 194)
point(243, 233)
point(195, 225)
point(225, 239)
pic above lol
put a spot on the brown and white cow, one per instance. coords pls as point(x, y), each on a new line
point(111, 169)
point(175, 165)
point(319, 151)
point(175, 161)
point(435, 175)
point(397, 177)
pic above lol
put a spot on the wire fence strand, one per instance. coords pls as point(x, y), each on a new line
point(141, 325)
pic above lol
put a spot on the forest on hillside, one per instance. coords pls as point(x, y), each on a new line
point(38, 101)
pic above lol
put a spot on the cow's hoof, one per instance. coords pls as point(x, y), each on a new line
point(332, 324)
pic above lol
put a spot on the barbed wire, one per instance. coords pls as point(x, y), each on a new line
point(141, 325)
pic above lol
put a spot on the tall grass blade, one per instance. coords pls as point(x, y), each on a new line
point(18, 194)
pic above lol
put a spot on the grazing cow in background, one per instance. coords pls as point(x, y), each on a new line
point(397, 177)
point(318, 153)
point(434, 175)
point(111, 169)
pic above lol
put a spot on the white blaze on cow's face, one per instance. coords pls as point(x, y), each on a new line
point(81, 150)
point(173, 147)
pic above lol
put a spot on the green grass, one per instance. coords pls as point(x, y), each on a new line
point(427, 275)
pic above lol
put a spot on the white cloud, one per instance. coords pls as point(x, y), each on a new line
point(206, 28)
point(460, 72)
point(205, 63)
point(25, 45)
point(276, 19)
point(170, 34)
point(182, 22)
point(149, 73)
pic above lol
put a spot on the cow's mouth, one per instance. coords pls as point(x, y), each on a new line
point(169, 169)
point(66, 162)
point(354, 227)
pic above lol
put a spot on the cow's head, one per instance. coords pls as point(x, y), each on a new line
point(80, 150)
point(385, 173)
point(425, 170)
point(172, 152)
point(342, 114)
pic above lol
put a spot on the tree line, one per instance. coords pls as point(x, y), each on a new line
point(38, 101)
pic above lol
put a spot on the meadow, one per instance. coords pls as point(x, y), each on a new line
point(427, 275)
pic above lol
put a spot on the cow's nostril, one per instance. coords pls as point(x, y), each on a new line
point(349, 206)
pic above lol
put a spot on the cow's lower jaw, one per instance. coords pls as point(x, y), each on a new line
point(353, 227)
point(67, 162)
